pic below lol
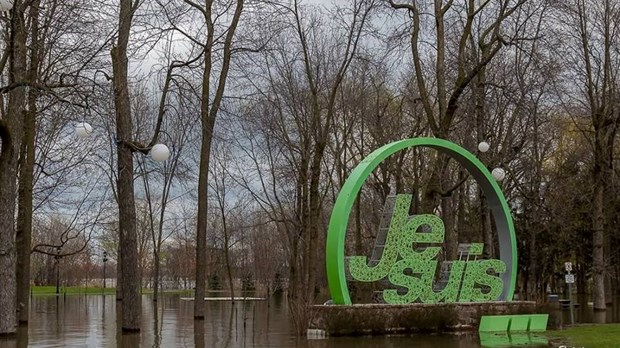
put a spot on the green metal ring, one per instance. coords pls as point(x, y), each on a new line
point(339, 220)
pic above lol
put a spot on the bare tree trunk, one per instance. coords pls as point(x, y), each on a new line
point(478, 90)
point(128, 240)
point(603, 144)
point(156, 263)
point(11, 130)
point(201, 229)
point(227, 257)
point(297, 270)
point(598, 227)
point(487, 231)
point(313, 223)
point(533, 267)
point(461, 197)
point(451, 233)
point(358, 226)
point(119, 274)
point(24, 214)
point(23, 233)
point(8, 174)
point(609, 195)
point(208, 115)
point(598, 291)
point(433, 199)
point(293, 272)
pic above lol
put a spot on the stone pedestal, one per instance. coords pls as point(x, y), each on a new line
point(380, 319)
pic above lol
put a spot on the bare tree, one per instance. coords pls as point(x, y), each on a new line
point(126, 204)
point(55, 82)
point(440, 105)
point(287, 135)
point(591, 27)
point(11, 130)
point(26, 174)
point(157, 202)
point(217, 42)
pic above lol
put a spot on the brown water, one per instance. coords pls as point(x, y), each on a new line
point(90, 321)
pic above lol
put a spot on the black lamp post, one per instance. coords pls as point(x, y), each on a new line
point(105, 260)
point(57, 257)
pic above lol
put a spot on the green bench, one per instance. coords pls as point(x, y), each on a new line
point(512, 323)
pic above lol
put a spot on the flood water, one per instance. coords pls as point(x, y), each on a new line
point(90, 321)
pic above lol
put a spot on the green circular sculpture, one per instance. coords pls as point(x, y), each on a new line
point(335, 258)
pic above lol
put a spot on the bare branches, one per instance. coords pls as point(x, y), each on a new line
point(199, 8)
point(71, 233)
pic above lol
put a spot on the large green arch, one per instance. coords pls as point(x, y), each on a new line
point(339, 220)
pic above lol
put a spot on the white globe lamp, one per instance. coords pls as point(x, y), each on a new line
point(160, 152)
point(483, 147)
point(6, 5)
point(83, 129)
point(499, 174)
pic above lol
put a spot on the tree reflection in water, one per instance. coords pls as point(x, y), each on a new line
point(90, 321)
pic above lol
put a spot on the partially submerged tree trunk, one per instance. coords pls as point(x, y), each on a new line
point(11, 132)
point(231, 284)
point(26, 175)
point(128, 241)
point(208, 114)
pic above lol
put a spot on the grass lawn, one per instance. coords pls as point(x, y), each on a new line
point(80, 290)
point(588, 336)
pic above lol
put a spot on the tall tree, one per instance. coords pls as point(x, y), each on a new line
point(469, 26)
point(130, 275)
point(129, 278)
point(596, 25)
point(211, 102)
point(165, 177)
point(23, 233)
point(323, 86)
point(289, 127)
point(55, 83)
point(11, 134)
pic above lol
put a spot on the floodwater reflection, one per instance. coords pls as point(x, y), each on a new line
point(585, 314)
point(90, 321)
point(520, 339)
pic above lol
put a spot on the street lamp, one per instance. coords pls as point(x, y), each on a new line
point(484, 147)
point(105, 259)
point(83, 130)
point(499, 174)
point(57, 257)
point(160, 152)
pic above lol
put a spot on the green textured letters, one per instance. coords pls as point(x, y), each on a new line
point(409, 262)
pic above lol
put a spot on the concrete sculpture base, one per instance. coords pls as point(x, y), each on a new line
point(381, 319)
